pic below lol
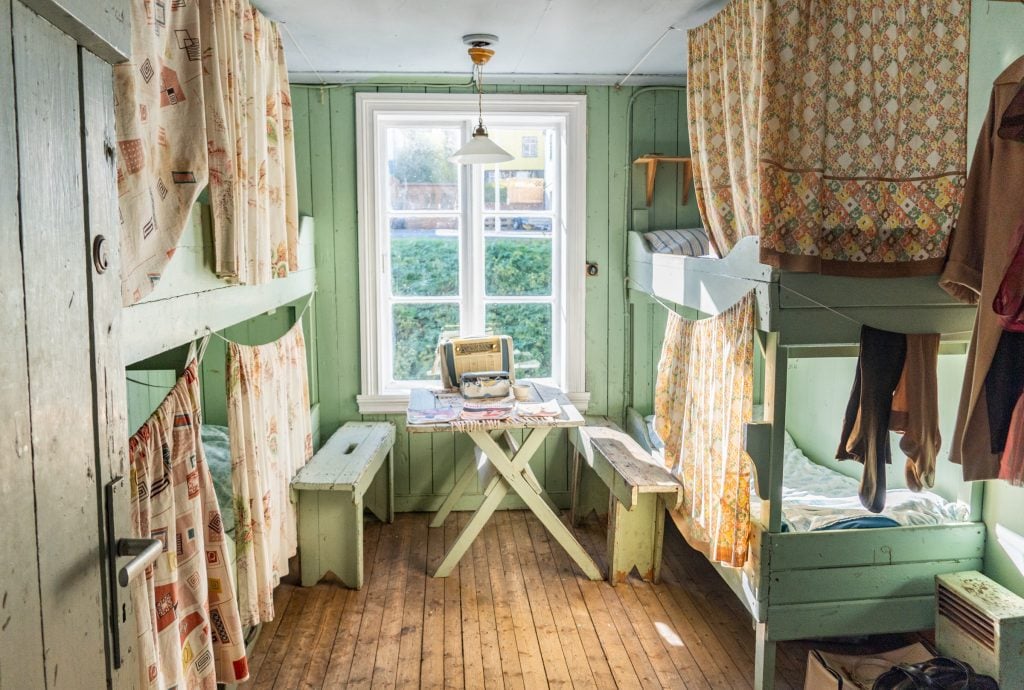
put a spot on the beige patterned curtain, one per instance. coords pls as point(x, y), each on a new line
point(161, 142)
point(271, 438)
point(859, 135)
point(185, 607)
point(703, 397)
point(723, 100)
point(252, 152)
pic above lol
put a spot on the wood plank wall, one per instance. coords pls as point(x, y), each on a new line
point(326, 161)
point(623, 337)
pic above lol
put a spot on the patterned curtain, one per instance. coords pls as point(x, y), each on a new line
point(189, 630)
point(161, 142)
point(252, 153)
point(723, 99)
point(703, 397)
point(271, 438)
point(859, 131)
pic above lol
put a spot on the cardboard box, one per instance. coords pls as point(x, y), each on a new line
point(827, 671)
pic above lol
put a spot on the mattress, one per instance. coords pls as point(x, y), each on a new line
point(218, 458)
point(815, 498)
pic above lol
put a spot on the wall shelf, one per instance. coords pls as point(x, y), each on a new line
point(651, 160)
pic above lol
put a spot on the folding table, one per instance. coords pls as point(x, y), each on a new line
point(503, 465)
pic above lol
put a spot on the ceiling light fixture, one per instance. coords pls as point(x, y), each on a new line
point(480, 149)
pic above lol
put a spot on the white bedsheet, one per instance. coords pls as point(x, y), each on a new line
point(815, 497)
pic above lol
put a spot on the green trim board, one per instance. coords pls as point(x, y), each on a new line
point(325, 136)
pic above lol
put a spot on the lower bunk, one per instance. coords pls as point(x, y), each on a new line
point(828, 575)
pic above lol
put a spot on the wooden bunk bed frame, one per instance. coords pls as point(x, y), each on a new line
point(800, 585)
point(190, 298)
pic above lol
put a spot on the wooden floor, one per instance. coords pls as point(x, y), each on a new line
point(516, 613)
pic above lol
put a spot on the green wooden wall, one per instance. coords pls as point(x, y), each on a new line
point(326, 160)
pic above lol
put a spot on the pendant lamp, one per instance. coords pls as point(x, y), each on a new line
point(480, 149)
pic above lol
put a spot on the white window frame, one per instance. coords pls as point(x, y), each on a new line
point(373, 112)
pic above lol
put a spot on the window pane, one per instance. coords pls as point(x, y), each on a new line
point(425, 256)
point(530, 328)
point(417, 329)
point(525, 183)
point(517, 224)
point(420, 178)
point(517, 266)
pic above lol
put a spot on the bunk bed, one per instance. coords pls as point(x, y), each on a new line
point(188, 304)
point(819, 583)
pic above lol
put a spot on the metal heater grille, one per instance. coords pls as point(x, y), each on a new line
point(967, 617)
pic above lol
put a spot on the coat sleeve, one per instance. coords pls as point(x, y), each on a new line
point(961, 276)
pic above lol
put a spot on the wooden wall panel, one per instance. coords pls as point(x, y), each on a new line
point(59, 362)
point(21, 641)
point(425, 466)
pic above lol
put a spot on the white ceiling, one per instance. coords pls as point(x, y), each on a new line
point(553, 41)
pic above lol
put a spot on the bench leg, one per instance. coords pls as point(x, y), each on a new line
point(380, 497)
point(331, 537)
point(764, 659)
point(634, 538)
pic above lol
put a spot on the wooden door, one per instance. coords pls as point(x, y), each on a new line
point(62, 423)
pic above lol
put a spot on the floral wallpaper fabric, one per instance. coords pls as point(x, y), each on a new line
point(836, 131)
point(271, 439)
point(703, 398)
point(161, 142)
point(251, 147)
point(190, 635)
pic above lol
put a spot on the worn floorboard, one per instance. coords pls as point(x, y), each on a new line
point(516, 613)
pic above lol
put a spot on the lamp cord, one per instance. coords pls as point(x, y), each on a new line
point(478, 74)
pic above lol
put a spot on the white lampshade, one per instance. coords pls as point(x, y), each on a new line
point(480, 149)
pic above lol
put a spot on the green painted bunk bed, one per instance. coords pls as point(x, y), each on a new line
point(800, 585)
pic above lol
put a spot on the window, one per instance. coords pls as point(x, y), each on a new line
point(529, 147)
point(449, 250)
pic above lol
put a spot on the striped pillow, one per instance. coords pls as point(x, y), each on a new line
point(692, 242)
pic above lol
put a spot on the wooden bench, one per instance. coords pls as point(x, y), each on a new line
point(333, 487)
point(628, 485)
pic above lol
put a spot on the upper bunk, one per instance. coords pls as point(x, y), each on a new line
point(805, 309)
point(191, 300)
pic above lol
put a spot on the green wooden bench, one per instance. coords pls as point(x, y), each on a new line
point(352, 470)
point(612, 474)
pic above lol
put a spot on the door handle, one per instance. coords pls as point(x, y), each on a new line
point(145, 551)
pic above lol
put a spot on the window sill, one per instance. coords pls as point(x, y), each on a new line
point(398, 403)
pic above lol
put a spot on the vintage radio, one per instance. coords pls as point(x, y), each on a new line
point(476, 354)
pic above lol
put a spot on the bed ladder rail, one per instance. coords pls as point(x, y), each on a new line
point(757, 439)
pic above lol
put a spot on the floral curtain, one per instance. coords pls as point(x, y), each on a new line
point(161, 142)
point(252, 153)
point(190, 635)
point(723, 99)
point(271, 438)
point(703, 397)
point(858, 132)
